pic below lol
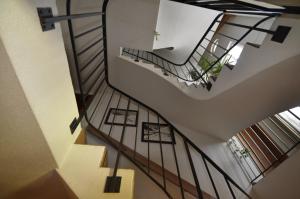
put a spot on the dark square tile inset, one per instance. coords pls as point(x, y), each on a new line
point(157, 133)
point(117, 117)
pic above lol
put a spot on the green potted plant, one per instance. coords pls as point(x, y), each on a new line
point(245, 152)
point(194, 75)
point(205, 63)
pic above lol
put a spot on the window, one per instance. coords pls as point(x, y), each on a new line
point(234, 54)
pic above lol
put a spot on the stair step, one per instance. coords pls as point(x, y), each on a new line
point(86, 176)
point(153, 166)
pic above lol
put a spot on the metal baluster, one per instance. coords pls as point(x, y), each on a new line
point(200, 196)
point(296, 116)
point(177, 166)
point(244, 169)
point(91, 60)
point(88, 31)
point(148, 144)
point(275, 134)
point(137, 56)
point(230, 189)
point(238, 140)
point(136, 130)
point(282, 130)
point(93, 72)
point(113, 120)
point(161, 154)
point(93, 84)
point(113, 182)
point(108, 104)
point(98, 102)
point(210, 177)
point(89, 47)
point(242, 136)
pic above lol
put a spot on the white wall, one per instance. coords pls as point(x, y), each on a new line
point(181, 26)
point(130, 23)
point(232, 104)
point(253, 37)
point(282, 182)
point(253, 61)
point(39, 61)
point(225, 114)
point(248, 20)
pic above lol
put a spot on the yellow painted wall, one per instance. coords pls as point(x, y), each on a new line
point(41, 66)
point(37, 105)
point(49, 186)
point(24, 152)
point(37, 101)
point(87, 178)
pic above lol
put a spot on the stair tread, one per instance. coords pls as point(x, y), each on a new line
point(82, 172)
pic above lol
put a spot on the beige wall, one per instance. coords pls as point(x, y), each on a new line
point(40, 63)
point(24, 152)
point(48, 186)
point(37, 101)
point(283, 182)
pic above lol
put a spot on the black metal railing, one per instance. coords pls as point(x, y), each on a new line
point(204, 64)
point(236, 5)
point(113, 115)
point(111, 118)
point(263, 146)
point(105, 94)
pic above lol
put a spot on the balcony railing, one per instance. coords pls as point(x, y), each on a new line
point(263, 146)
point(215, 48)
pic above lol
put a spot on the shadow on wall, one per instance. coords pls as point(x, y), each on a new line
point(48, 186)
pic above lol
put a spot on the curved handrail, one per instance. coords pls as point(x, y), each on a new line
point(201, 74)
point(188, 143)
point(197, 46)
point(148, 60)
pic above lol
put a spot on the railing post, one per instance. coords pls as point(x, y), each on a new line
point(200, 196)
point(210, 177)
point(113, 183)
point(230, 189)
point(176, 163)
point(137, 57)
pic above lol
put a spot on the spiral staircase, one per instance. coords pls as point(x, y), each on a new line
point(156, 146)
